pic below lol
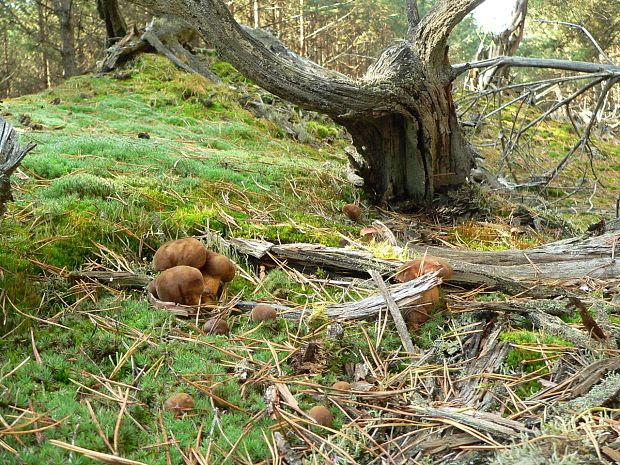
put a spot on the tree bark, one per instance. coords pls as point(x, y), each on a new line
point(42, 33)
point(11, 155)
point(400, 114)
point(115, 25)
point(63, 8)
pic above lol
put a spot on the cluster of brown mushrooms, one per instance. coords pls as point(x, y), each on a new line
point(411, 270)
point(190, 273)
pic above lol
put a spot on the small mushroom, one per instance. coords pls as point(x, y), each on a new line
point(420, 266)
point(217, 326)
point(420, 314)
point(369, 232)
point(152, 288)
point(322, 415)
point(188, 251)
point(220, 266)
point(354, 212)
point(179, 403)
point(342, 385)
point(263, 312)
point(180, 284)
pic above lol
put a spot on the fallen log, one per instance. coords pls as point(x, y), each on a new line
point(509, 277)
point(490, 423)
point(404, 295)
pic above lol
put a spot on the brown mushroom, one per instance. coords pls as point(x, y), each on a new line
point(188, 251)
point(217, 326)
point(420, 266)
point(354, 212)
point(342, 385)
point(180, 284)
point(219, 266)
point(211, 288)
point(418, 315)
point(179, 403)
point(263, 312)
point(322, 415)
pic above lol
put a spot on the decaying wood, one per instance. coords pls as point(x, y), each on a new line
point(581, 382)
point(396, 313)
point(403, 294)
point(443, 443)
point(490, 423)
point(541, 314)
point(590, 323)
point(523, 306)
point(113, 279)
point(573, 258)
point(513, 272)
point(11, 155)
point(492, 355)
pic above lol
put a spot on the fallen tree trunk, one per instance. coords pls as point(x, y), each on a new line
point(404, 295)
point(512, 271)
point(11, 155)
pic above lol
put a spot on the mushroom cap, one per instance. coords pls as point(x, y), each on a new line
point(264, 312)
point(217, 326)
point(354, 212)
point(179, 403)
point(187, 251)
point(180, 284)
point(420, 266)
point(342, 385)
point(322, 415)
point(218, 265)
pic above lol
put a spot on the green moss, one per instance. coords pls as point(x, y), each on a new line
point(530, 357)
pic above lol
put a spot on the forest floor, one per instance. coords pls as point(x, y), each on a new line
point(124, 163)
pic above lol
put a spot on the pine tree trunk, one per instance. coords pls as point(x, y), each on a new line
point(417, 148)
point(62, 8)
point(115, 25)
point(42, 33)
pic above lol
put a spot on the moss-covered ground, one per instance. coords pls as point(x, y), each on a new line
point(91, 367)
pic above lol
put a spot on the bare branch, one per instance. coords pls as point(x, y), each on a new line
point(434, 29)
point(585, 137)
point(413, 15)
point(586, 32)
point(527, 62)
point(264, 59)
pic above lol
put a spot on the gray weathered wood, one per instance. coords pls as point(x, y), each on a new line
point(509, 271)
point(11, 155)
point(481, 421)
point(399, 321)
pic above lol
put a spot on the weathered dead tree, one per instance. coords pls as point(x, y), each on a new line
point(11, 155)
point(400, 114)
point(164, 35)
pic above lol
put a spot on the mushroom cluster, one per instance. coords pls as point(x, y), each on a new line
point(190, 273)
point(418, 315)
